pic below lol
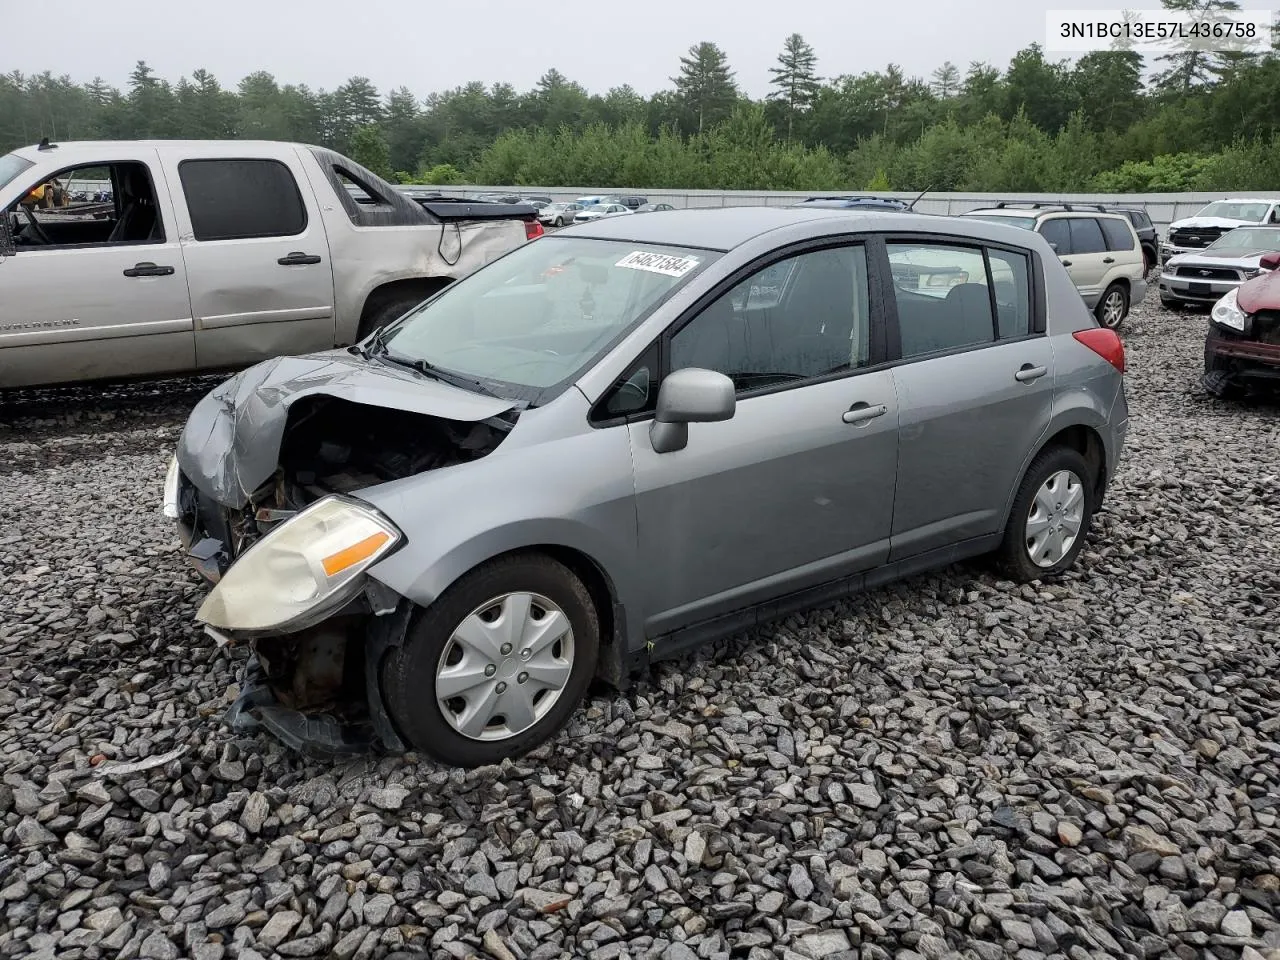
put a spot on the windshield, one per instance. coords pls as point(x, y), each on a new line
point(1026, 223)
point(1251, 239)
point(11, 165)
point(1229, 210)
point(541, 314)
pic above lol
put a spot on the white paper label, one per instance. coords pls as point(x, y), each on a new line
point(662, 263)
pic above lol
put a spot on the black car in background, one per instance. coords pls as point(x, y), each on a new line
point(1144, 228)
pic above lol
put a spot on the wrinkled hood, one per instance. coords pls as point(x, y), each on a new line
point(1192, 222)
point(1260, 293)
point(231, 443)
point(1244, 259)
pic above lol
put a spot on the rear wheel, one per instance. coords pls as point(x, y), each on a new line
point(496, 665)
point(1113, 307)
point(559, 222)
point(1051, 516)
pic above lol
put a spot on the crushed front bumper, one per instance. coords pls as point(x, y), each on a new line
point(294, 706)
point(1241, 358)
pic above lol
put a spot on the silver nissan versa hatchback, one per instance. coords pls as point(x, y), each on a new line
point(622, 440)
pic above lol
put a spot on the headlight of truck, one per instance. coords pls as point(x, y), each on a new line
point(301, 571)
point(1227, 313)
point(170, 498)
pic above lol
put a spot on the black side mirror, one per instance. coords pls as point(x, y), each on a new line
point(7, 245)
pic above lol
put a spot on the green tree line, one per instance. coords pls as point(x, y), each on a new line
point(1110, 121)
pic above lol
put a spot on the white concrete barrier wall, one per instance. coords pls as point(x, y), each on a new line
point(1162, 208)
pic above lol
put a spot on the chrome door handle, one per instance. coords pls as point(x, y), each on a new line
point(864, 412)
point(1026, 373)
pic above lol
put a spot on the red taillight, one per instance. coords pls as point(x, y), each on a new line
point(533, 229)
point(1105, 343)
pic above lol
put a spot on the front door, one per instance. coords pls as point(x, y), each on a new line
point(96, 289)
point(974, 389)
point(797, 488)
point(261, 279)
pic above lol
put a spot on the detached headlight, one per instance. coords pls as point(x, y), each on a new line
point(1227, 313)
point(170, 499)
point(1250, 274)
point(302, 570)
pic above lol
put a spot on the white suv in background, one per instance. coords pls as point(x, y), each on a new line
point(1100, 250)
point(1193, 234)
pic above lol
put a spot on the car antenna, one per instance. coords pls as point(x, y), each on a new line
point(46, 145)
point(912, 204)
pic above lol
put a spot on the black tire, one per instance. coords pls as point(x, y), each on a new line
point(1109, 319)
point(1149, 262)
point(1013, 554)
point(559, 222)
point(391, 309)
point(409, 673)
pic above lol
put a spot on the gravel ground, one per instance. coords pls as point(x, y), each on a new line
point(953, 767)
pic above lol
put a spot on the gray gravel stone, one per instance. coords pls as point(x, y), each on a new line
point(943, 768)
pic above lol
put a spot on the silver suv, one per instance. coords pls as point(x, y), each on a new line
point(1101, 251)
point(627, 438)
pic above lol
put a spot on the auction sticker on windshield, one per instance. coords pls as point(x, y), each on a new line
point(662, 263)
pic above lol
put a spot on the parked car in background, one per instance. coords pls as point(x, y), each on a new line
point(559, 214)
point(599, 210)
point(853, 203)
point(631, 203)
point(641, 403)
point(653, 207)
point(1215, 219)
point(1242, 348)
point(536, 204)
point(1148, 235)
point(1204, 276)
point(537, 198)
point(1100, 251)
point(218, 254)
point(591, 201)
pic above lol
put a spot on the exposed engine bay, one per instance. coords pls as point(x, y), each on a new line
point(332, 445)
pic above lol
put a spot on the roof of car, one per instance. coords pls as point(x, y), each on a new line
point(1047, 210)
point(724, 228)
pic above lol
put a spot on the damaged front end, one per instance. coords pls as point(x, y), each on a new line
point(265, 494)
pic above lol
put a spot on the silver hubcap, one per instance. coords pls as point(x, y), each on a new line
point(1113, 308)
point(1057, 514)
point(505, 666)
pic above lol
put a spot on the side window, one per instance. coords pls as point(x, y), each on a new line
point(800, 318)
point(241, 199)
point(111, 204)
point(943, 299)
point(1086, 236)
point(635, 393)
point(1118, 234)
point(1059, 237)
point(1011, 279)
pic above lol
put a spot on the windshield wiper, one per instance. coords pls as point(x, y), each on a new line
point(435, 373)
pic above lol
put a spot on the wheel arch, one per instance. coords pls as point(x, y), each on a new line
point(1085, 438)
point(394, 290)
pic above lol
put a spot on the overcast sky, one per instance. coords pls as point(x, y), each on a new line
point(429, 45)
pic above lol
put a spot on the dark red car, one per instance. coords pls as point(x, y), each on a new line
point(1243, 345)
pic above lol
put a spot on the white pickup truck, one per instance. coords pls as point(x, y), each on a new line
point(212, 255)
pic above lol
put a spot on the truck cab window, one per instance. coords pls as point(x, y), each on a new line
point(241, 199)
point(104, 205)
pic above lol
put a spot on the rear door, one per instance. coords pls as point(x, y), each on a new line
point(974, 385)
point(1091, 261)
point(96, 290)
point(257, 258)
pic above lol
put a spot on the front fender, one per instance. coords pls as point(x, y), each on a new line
point(576, 492)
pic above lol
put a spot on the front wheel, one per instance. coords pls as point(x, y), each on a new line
point(559, 222)
point(1051, 516)
point(1113, 307)
point(497, 664)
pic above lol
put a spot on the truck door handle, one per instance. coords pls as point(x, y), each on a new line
point(1066, 263)
point(1108, 259)
point(148, 269)
point(1026, 373)
point(864, 412)
point(297, 259)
